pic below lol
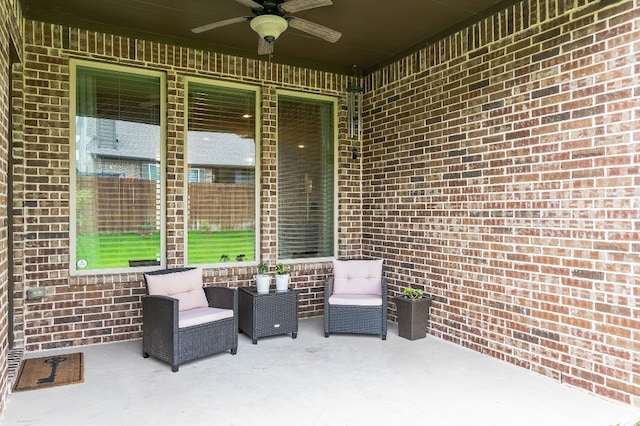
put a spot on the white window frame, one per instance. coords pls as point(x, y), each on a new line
point(73, 65)
point(199, 173)
point(257, 169)
point(334, 101)
point(152, 169)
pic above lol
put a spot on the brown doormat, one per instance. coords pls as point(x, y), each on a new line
point(55, 370)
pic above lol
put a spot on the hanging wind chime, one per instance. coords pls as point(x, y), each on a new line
point(354, 106)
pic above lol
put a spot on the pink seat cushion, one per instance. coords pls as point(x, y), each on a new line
point(186, 286)
point(198, 316)
point(357, 277)
point(355, 299)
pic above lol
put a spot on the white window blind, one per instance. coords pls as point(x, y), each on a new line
point(305, 178)
point(221, 146)
point(118, 160)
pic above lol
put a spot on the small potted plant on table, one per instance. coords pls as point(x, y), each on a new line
point(263, 279)
point(282, 277)
point(413, 313)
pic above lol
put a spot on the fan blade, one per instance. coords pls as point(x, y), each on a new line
point(315, 29)
point(264, 47)
point(293, 6)
point(219, 24)
point(250, 3)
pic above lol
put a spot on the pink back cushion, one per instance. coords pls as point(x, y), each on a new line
point(357, 276)
point(186, 286)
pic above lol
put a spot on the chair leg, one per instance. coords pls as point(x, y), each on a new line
point(145, 354)
point(326, 334)
point(384, 336)
point(234, 351)
point(174, 368)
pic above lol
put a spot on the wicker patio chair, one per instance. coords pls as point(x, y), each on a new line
point(355, 298)
point(184, 321)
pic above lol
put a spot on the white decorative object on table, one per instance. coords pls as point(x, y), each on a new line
point(263, 279)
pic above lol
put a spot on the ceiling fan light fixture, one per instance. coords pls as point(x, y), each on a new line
point(269, 27)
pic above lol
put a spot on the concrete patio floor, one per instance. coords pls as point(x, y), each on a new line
point(342, 380)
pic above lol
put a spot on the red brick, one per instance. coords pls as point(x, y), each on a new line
point(525, 235)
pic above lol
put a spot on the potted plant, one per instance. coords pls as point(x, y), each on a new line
point(412, 307)
point(282, 277)
point(263, 279)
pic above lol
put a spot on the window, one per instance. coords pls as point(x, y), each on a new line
point(117, 190)
point(150, 171)
point(306, 194)
point(196, 175)
point(221, 151)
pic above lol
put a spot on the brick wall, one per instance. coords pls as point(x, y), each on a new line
point(4, 148)
point(499, 172)
point(104, 308)
point(10, 52)
point(501, 175)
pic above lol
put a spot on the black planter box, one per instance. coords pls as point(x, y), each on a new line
point(413, 317)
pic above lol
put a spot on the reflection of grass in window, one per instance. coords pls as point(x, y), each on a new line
point(104, 251)
point(210, 248)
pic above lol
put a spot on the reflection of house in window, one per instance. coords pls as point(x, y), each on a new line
point(221, 157)
point(127, 149)
point(223, 197)
point(196, 175)
point(106, 133)
point(150, 171)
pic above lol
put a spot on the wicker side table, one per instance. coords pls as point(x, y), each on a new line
point(269, 314)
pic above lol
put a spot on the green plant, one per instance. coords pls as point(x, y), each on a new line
point(412, 293)
point(206, 248)
point(281, 269)
point(263, 268)
point(147, 228)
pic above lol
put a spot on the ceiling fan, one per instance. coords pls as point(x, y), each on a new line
point(272, 17)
